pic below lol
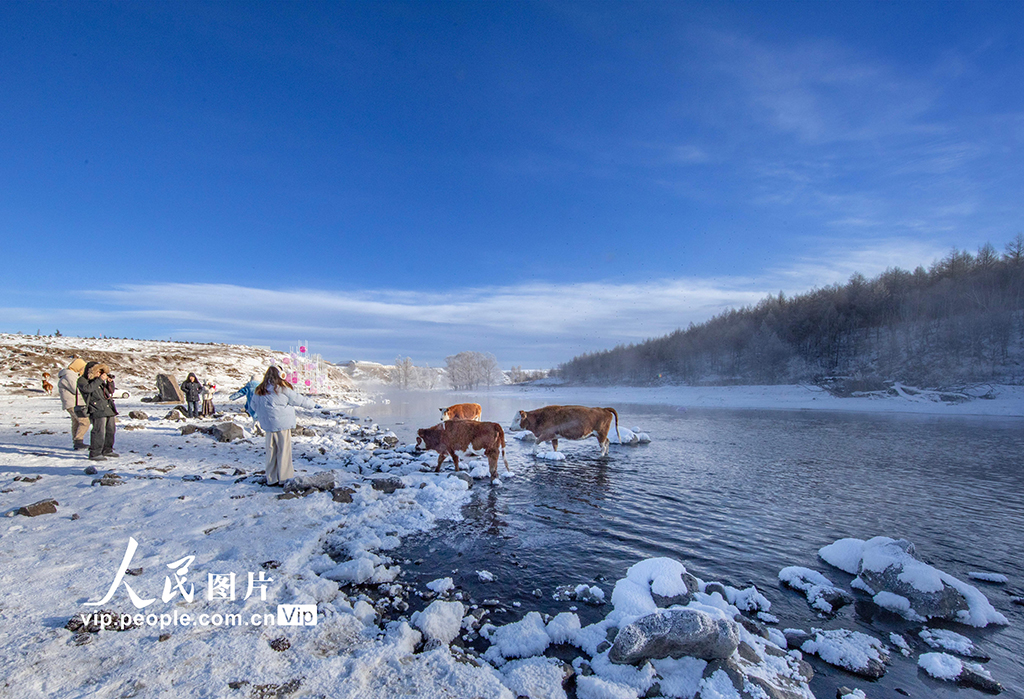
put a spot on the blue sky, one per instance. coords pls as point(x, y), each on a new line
point(532, 179)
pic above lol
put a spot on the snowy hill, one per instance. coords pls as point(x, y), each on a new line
point(136, 363)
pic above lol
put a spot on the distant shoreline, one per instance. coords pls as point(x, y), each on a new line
point(1008, 401)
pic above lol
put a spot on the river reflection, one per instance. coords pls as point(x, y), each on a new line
point(736, 496)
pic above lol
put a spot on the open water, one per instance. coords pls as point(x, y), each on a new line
point(737, 495)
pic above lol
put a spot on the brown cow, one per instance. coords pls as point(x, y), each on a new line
point(568, 422)
point(462, 411)
point(448, 438)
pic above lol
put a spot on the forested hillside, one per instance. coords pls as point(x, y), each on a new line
point(960, 321)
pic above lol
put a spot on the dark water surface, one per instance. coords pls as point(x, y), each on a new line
point(737, 495)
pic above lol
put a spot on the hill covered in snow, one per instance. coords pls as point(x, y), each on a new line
point(136, 363)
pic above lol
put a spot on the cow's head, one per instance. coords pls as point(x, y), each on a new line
point(427, 437)
point(517, 421)
point(444, 413)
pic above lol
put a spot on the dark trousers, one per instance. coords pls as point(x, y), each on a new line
point(101, 440)
point(193, 408)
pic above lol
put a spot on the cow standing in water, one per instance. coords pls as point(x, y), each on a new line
point(449, 438)
point(568, 422)
point(462, 411)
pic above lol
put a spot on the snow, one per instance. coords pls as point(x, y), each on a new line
point(520, 639)
point(941, 666)
point(563, 627)
point(441, 586)
point(593, 687)
point(944, 639)
point(550, 455)
point(900, 642)
point(845, 648)
point(898, 604)
point(994, 578)
point(537, 678)
point(441, 621)
point(485, 575)
point(813, 584)
point(844, 554)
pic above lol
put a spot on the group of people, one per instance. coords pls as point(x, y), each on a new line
point(86, 390)
point(195, 391)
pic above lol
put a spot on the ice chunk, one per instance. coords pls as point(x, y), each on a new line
point(941, 666)
point(550, 455)
point(441, 585)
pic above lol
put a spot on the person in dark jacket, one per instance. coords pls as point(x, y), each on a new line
point(193, 390)
point(96, 386)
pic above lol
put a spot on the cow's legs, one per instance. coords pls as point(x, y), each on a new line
point(455, 458)
point(440, 460)
point(554, 443)
point(603, 442)
point(492, 462)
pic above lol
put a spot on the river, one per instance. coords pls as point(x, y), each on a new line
point(737, 495)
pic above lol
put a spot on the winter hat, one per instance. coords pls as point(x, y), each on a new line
point(77, 365)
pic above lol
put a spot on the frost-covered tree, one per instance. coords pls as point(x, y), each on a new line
point(469, 370)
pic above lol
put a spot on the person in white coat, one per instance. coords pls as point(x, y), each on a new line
point(67, 386)
point(274, 402)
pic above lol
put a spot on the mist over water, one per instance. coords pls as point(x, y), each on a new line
point(737, 495)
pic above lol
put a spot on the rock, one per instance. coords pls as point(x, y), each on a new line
point(108, 479)
point(387, 485)
point(167, 389)
point(176, 414)
point(104, 619)
point(795, 637)
point(75, 516)
point(847, 693)
point(969, 677)
point(192, 477)
point(342, 494)
point(275, 691)
point(138, 415)
point(91, 470)
point(43, 507)
point(300, 431)
point(673, 634)
point(189, 429)
point(463, 476)
point(324, 480)
point(713, 587)
point(389, 440)
point(227, 432)
point(754, 627)
point(280, 644)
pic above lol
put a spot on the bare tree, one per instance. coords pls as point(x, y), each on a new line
point(404, 372)
point(468, 370)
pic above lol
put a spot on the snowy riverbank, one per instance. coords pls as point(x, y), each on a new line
point(986, 400)
point(179, 496)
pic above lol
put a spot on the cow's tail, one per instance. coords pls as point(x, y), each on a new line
point(501, 440)
point(612, 410)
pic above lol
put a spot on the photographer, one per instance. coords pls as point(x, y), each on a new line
point(96, 386)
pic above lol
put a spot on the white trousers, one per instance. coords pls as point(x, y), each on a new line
point(279, 456)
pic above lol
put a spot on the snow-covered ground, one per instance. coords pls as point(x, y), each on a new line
point(180, 497)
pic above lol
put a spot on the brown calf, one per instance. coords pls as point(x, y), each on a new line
point(462, 411)
point(448, 438)
point(568, 422)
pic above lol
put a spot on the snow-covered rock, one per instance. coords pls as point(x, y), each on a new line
point(820, 592)
point(887, 569)
point(943, 666)
point(440, 621)
point(946, 640)
point(851, 650)
point(675, 633)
